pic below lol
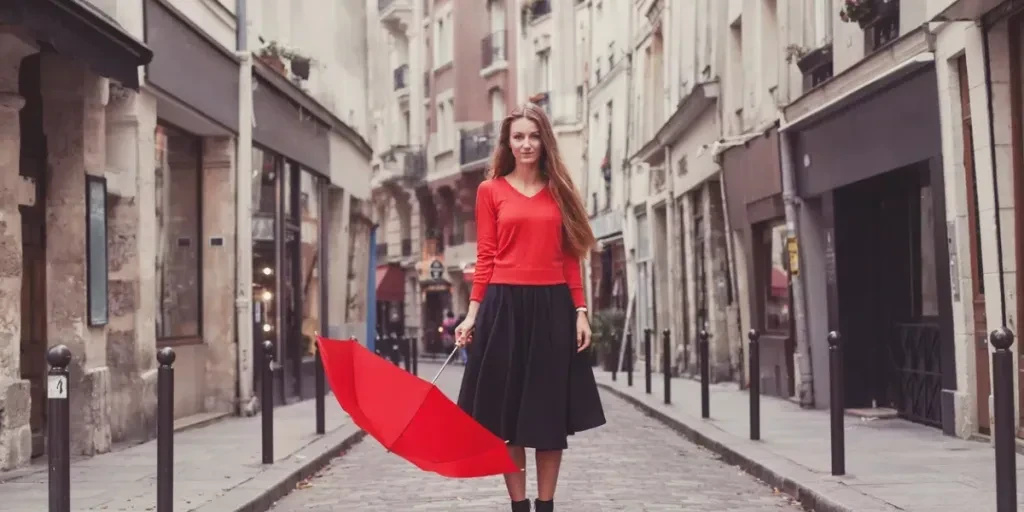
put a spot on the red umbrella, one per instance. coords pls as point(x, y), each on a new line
point(410, 416)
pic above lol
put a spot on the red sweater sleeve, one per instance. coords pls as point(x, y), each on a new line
point(574, 279)
point(486, 241)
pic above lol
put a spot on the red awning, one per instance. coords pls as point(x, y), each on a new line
point(390, 284)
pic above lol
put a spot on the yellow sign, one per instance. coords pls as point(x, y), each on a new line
point(794, 255)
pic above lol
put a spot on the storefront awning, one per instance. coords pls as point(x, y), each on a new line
point(79, 30)
point(390, 284)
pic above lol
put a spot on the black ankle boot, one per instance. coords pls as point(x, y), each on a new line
point(544, 506)
point(521, 506)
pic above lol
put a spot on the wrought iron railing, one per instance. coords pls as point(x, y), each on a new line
point(477, 143)
point(401, 74)
point(915, 379)
point(493, 49)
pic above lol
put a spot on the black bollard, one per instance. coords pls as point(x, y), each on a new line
point(703, 353)
point(647, 360)
point(629, 359)
point(755, 385)
point(836, 407)
point(267, 406)
point(321, 392)
point(615, 367)
point(1002, 412)
point(407, 352)
point(58, 435)
point(415, 355)
point(666, 365)
point(165, 430)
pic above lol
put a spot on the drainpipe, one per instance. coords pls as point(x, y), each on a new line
point(243, 219)
point(805, 392)
point(986, 57)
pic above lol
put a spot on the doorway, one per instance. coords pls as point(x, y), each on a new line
point(980, 327)
point(33, 251)
point(887, 292)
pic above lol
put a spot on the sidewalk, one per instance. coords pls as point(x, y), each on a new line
point(890, 464)
point(217, 467)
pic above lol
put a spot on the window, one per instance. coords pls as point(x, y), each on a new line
point(544, 71)
point(178, 261)
point(775, 278)
point(444, 36)
point(309, 280)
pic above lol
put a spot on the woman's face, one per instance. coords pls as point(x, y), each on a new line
point(524, 139)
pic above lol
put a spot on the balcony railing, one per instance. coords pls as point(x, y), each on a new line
point(406, 162)
point(477, 143)
point(493, 49)
point(401, 74)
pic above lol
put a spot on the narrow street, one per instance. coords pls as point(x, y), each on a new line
point(633, 463)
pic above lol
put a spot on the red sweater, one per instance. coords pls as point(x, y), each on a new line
point(519, 241)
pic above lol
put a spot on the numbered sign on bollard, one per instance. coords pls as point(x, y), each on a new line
point(57, 387)
point(58, 434)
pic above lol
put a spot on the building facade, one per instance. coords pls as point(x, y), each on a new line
point(435, 134)
point(160, 210)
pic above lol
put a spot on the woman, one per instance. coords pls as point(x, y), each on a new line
point(527, 379)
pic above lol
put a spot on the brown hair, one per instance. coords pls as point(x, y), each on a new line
point(578, 237)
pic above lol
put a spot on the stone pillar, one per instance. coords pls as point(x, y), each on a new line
point(723, 345)
point(131, 334)
point(74, 121)
point(15, 432)
point(218, 183)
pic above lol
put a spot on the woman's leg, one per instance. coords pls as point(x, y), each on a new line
point(516, 482)
point(548, 464)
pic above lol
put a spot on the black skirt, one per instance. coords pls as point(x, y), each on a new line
point(525, 381)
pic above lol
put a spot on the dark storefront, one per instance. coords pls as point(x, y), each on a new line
point(873, 172)
point(290, 159)
point(753, 191)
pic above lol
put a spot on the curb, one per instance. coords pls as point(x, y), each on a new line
point(809, 498)
point(262, 492)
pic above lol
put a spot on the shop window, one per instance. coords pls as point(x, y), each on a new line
point(310, 286)
point(177, 179)
point(775, 278)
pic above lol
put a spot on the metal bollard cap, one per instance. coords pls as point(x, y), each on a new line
point(166, 356)
point(59, 356)
point(1001, 338)
point(834, 338)
point(753, 335)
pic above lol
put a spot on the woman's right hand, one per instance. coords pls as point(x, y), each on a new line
point(464, 332)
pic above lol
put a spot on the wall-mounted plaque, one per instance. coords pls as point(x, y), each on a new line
point(96, 249)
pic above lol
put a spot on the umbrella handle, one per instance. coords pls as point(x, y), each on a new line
point(445, 365)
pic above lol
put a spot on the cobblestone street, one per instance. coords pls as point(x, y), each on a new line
point(633, 463)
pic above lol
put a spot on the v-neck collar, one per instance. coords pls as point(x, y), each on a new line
point(520, 192)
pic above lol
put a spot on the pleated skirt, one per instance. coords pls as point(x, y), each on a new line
point(524, 380)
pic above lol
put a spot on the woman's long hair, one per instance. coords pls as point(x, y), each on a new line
point(578, 236)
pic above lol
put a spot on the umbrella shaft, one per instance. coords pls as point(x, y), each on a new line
point(445, 365)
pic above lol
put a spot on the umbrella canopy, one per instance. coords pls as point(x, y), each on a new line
point(411, 417)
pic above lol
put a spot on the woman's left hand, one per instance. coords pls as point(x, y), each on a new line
point(582, 332)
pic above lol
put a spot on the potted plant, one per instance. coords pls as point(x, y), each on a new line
point(858, 11)
point(274, 55)
point(607, 329)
